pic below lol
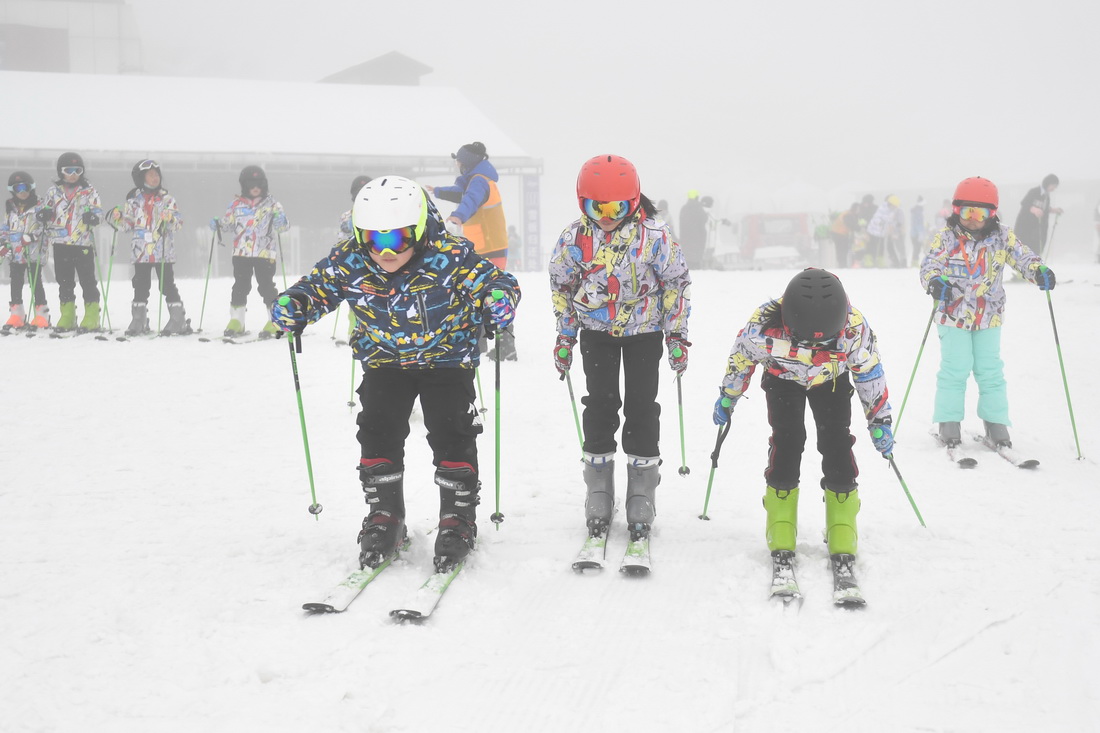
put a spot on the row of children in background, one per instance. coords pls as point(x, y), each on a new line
point(66, 219)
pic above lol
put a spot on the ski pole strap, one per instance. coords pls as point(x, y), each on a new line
point(722, 433)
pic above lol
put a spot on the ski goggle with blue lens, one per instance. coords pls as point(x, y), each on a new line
point(21, 187)
point(975, 213)
point(72, 170)
point(381, 241)
point(599, 210)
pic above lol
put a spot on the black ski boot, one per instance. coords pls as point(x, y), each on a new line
point(384, 528)
point(458, 500)
point(950, 434)
point(139, 321)
point(996, 435)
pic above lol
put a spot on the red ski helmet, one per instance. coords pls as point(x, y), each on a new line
point(976, 190)
point(609, 178)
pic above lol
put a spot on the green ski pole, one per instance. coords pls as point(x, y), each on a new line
point(282, 259)
point(684, 470)
point(722, 433)
point(480, 394)
point(351, 394)
point(295, 344)
point(573, 402)
point(1062, 367)
point(216, 234)
point(497, 517)
point(897, 420)
point(110, 271)
point(336, 322)
point(903, 485)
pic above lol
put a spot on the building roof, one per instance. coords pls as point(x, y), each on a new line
point(390, 68)
point(160, 115)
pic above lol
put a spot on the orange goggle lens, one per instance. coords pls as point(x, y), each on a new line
point(974, 213)
point(613, 210)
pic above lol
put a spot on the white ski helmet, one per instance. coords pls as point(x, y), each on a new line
point(387, 203)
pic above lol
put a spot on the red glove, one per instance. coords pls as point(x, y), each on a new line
point(677, 352)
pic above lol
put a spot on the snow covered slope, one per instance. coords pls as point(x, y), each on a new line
point(155, 548)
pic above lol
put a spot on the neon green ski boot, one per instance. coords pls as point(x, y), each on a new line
point(782, 509)
point(236, 321)
point(67, 322)
point(90, 321)
point(840, 521)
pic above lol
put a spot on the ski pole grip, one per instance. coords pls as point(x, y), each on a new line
point(498, 294)
point(285, 300)
point(726, 402)
point(677, 352)
point(877, 433)
point(563, 352)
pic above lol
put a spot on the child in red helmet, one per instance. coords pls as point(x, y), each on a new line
point(620, 285)
point(963, 273)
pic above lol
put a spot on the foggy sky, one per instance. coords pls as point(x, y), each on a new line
point(710, 95)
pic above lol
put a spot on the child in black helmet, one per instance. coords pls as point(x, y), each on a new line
point(254, 218)
point(808, 341)
point(23, 241)
point(151, 213)
point(70, 213)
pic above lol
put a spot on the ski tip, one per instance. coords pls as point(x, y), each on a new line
point(582, 565)
point(850, 602)
point(318, 608)
point(634, 571)
point(967, 462)
point(1030, 463)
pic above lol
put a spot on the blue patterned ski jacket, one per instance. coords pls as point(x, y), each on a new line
point(425, 316)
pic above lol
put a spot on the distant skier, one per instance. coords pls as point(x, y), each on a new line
point(151, 213)
point(480, 214)
point(694, 220)
point(419, 294)
point(918, 230)
point(808, 341)
point(23, 241)
point(357, 183)
point(887, 232)
point(1033, 221)
point(620, 285)
point(70, 212)
point(254, 218)
point(963, 273)
point(841, 231)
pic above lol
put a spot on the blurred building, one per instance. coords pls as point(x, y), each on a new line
point(82, 36)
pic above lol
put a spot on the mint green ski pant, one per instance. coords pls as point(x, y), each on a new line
point(963, 352)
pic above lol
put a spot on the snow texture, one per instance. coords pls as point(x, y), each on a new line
point(156, 548)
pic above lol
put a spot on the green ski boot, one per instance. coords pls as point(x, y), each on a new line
point(840, 521)
point(268, 331)
point(781, 506)
point(236, 321)
point(90, 321)
point(67, 322)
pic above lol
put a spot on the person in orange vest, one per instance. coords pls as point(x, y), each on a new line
point(480, 214)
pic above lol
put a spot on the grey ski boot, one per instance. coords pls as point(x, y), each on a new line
point(139, 319)
point(996, 435)
point(950, 434)
point(642, 477)
point(599, 480)
point(384, 528)
point(178, 322)
point(458, 500)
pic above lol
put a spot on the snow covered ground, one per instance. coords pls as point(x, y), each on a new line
point(155, 548)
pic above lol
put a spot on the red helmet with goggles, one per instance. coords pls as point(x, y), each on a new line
point(608, 187)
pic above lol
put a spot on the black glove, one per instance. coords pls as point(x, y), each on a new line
point(940, 288)
point(1044, 278)
point(90, 218)
point(45, 214)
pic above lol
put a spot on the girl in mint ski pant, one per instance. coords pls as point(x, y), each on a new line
point(963, 272)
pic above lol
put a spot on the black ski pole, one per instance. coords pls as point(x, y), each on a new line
point(722, 433)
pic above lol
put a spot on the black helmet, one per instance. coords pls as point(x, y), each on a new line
point(357, 184)
point(20, 177)
point(251, 177)
point(815, 307)
point(141, 167)
point(70, 160)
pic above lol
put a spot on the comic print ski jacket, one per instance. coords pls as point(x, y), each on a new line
point(976, 269)
point(154, 220)
point(69, 204)
point(765, 340)
point(630, 281)
point(425, 316)
point(23, 234)
point(254, 224)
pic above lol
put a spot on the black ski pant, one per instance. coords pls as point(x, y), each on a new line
point(831, 404)
point(18, 277)
point(640, 357)
point(243, 270)
point(71, 263)
point(143, 279)
point(447, 399)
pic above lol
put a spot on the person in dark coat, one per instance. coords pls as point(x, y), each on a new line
point(693, 231)
point(1033, 221)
